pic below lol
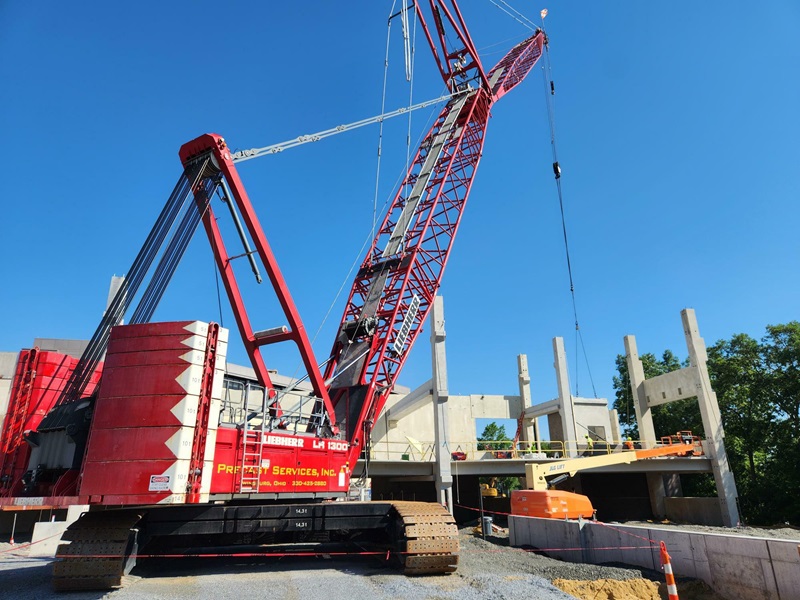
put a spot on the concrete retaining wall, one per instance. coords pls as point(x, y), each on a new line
point(701, 511)
point(736, 567)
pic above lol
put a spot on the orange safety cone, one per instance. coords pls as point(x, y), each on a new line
point(672, 589)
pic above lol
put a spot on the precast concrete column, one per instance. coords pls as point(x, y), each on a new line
point(616, 434)
point(714, 445)
point(529, 434)
point(644, 417)
point(644, 420)
point(566, 408)
point(443, 475)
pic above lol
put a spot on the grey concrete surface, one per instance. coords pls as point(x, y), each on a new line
point(739, 567)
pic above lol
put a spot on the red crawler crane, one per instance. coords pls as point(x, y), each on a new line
point(182, 466)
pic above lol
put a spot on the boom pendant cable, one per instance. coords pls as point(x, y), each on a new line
point(514, 14)
point(549, 93)
point(410, 78)
point(380, 127)
point(409, 55)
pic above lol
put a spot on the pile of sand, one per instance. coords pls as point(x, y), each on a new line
point(633, 589)
point(610, 589)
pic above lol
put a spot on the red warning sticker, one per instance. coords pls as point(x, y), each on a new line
point(159, 483)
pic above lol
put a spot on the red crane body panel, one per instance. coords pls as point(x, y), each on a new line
point(289, 463)
point(39, 378)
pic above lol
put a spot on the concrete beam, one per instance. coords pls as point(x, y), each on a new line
point(516, 467)
point(413, 401)
point(543, 409)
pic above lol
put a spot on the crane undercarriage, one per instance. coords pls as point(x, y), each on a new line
point(102, 546)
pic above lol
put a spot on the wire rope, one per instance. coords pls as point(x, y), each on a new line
point(380, 126)
point(549, 92)
point(514, 14)
point(411, 91)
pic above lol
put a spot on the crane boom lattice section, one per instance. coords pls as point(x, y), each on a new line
point(406, 261)
point(398, 279)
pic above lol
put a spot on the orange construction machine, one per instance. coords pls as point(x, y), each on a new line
point(542, 501)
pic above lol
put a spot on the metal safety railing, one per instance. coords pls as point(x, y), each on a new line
point(414, 450)
point(246, 403)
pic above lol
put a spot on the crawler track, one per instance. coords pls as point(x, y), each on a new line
point(101, 550)
point(103, 545)
point(429, 537)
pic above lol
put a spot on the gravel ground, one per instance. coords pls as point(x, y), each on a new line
point(488, 570)
point(481, 575)
point(496, 556)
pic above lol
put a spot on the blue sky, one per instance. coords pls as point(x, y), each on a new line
point(677, 131)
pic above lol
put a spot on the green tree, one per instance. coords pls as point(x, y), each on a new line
point(758, 389)
point(494, 438)
point(667, 419)
point(780, 351)
point(737, 375)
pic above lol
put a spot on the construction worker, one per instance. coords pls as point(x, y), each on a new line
point(628, 445)
point(589, 445)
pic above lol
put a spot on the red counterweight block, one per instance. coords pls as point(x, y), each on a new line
point(151, 400)
point(39, 379)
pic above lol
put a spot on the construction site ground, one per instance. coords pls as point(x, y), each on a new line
point(488, 569)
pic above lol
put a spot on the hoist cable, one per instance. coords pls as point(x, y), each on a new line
point(549, 92)
point(380, 126)
point(411, 92)
point(514, 14)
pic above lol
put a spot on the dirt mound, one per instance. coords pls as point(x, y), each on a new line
point(610, 589)
point(633, 589)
